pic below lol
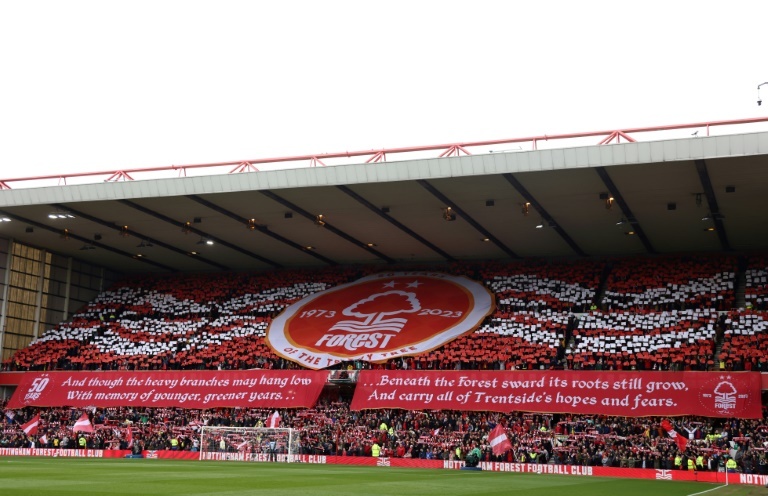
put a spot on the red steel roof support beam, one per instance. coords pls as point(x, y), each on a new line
point(381, 155)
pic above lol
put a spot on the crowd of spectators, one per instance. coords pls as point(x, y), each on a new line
point(756, 282)
point(672, 282)
point(645, 340)
point(655, 313)
point(331, 428)
point(745, 342)
point(538, 285)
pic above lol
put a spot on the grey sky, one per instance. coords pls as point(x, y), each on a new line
point(96, 85)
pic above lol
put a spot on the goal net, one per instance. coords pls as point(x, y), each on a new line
point(250, 444)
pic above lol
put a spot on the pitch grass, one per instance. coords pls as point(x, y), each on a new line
point(83, 477)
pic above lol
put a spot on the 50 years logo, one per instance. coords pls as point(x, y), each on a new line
point(36, 388)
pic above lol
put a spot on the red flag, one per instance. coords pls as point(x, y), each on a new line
point(83, 424)
point(44, 439)
point(499, 441)
point(681, 441)
point(273, 420)
point(129, 436)
point(30, 428)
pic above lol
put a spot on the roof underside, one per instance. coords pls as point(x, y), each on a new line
point(394, 212)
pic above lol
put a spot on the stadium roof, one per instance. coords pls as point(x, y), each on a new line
point(682, 195)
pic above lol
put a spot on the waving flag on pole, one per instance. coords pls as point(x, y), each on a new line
point(30, 428)
point(499, 441)
point(83, 424)
point(274, 420)
point(129, 437)
point(681, 441)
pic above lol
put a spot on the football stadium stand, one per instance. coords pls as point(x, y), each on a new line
point(547, 316)
point(674, 300)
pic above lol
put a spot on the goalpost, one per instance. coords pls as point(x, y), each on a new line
point(250, 444)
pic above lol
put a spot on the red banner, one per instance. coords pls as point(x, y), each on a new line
point(623, 393)
point(10, 378)
point(187, 389)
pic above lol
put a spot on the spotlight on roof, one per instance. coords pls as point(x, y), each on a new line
point(540, 225)
point(713, 216)
point(449, 214)
point(251, 224)
point(526, 208)
point(205, 241)
point(319, 220)
point(60, 214)
point(186, 228)
point(608, 199)
point(5, 219)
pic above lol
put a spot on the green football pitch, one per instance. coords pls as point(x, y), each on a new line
point(82, 477)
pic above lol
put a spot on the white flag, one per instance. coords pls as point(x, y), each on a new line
point(274, 420)
point(83, 424)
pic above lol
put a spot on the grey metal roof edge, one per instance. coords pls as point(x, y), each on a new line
point(672, 150)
